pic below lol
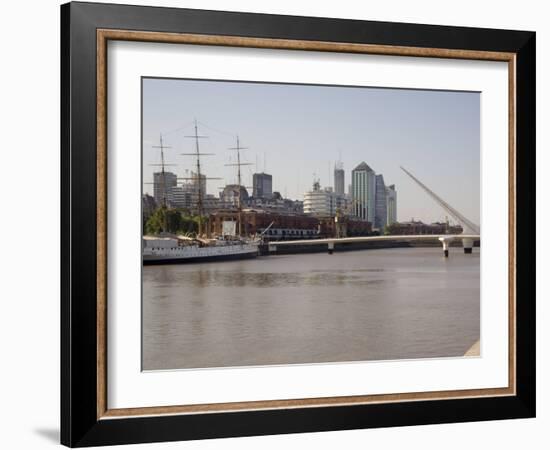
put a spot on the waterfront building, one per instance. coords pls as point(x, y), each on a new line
point(282, 226)
point(391, 204)
point(320, 202)
point(380, 210)
point(262, 185)
point(340, 227)
point(339, 179)
point(363, 186)
point(274, 225)
point(418, 227)
point(163, 185)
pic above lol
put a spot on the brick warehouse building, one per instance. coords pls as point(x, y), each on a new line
point(287, 226)
point(284, 226)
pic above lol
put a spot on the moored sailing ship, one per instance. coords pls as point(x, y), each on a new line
point(178, 249)
point(166, 248)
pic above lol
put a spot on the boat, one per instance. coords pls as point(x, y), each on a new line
point(167, 248)
point(180, 249)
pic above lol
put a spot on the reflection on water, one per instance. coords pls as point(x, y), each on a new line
point(352, 306)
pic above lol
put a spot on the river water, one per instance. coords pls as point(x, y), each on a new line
point(350, 306)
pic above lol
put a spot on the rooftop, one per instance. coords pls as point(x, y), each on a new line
point(363, 167)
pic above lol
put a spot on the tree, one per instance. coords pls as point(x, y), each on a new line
point(170, 220)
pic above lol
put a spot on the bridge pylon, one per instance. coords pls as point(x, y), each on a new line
point(468, 227)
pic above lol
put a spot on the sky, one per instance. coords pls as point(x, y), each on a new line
point(298, 132)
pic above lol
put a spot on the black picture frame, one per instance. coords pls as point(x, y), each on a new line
point(80, 425)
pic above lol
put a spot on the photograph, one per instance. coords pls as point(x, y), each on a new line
point(289, 223)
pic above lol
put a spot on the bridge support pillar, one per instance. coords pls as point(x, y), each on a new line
point(446, 242)
point(330, 248)
point(468, 244)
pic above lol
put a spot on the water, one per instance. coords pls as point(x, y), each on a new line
point(349, 306)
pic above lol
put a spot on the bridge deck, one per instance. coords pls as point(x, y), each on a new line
point(419, 237)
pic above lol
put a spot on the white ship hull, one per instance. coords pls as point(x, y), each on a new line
point(191, 253)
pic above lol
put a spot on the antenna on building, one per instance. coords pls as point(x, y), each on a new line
point(316, 182)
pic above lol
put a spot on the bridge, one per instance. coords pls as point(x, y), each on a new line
point(470, 233)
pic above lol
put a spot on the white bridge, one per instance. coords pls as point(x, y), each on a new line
point(469, 234)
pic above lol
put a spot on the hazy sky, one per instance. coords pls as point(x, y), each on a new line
point(296, 131)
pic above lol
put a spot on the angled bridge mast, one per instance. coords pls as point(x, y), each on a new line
point(468, 226)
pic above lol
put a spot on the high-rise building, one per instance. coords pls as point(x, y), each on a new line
point(187, 195)
point(320, 202)
point(381, 210)
point(391, 202)
point(339, 179)
point(262, 185)
point(363, 191)
point(163, 184)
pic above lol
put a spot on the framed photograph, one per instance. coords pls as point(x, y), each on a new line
point(277, 224)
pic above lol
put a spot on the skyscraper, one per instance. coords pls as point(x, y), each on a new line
point(381, 210)
point(262, 185)
point(363, 187)
point(339, 179)
point(162, 187)
point(391, 201)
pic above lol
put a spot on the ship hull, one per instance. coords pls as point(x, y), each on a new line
point(149, 260)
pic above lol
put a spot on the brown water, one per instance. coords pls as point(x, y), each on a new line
point(349, 306)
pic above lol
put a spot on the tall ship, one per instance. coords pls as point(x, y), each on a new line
point(178, 249)
point(172, 249)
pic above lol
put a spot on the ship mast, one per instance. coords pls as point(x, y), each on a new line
point(198, 178)
point(162, 183)
point(238, 148)
point(163, 174)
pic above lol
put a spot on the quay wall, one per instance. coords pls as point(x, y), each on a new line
point(322, 248)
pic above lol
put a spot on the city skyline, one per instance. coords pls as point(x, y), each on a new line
point(296, 159)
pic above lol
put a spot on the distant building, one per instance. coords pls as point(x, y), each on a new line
point(148, 205)
point(187, 195)
point(418, 227)
point(320, 202)
point(231, 193)
point(163, 184)
point(339, 179)
point(363, 186)
point(184, 197)
point(380, 210)
point(262, 185)
point(276, 203)
point(391, 204)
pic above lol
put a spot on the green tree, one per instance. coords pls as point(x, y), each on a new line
point(171, 220)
